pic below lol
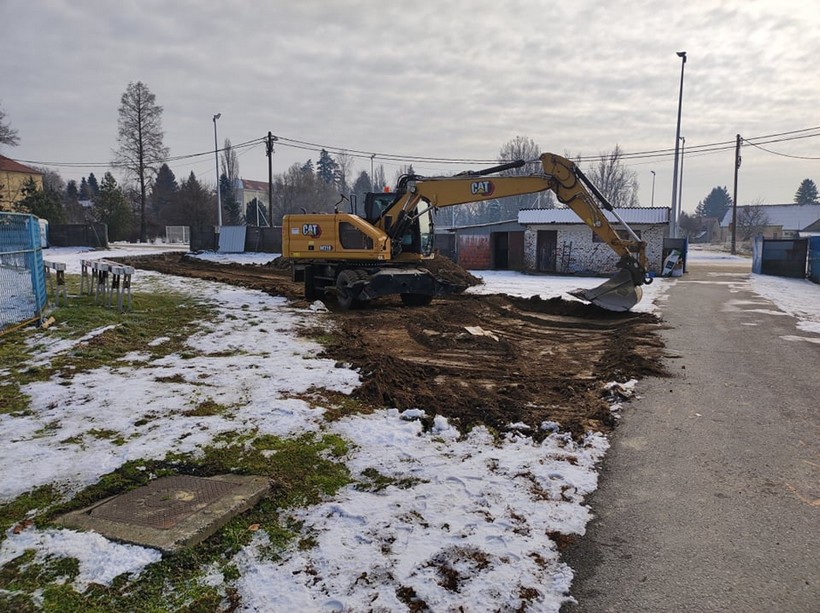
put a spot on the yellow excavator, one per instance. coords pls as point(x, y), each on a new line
point(383, 252)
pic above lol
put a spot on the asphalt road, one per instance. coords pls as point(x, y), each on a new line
point(709, 498)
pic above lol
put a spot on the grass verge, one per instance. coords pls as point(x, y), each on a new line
point(97, 336)
point(302, 471)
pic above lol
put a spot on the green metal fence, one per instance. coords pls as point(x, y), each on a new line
point(22, 278)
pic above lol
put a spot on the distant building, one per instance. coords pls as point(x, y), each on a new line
point(13, 176)
point(781, 220)
point(551, 241)
point(246, 192)
point(558, 241)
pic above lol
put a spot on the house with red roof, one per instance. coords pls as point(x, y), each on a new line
point(13, 176)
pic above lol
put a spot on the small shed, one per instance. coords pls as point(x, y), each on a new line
point(497, 245)
point(558, 241)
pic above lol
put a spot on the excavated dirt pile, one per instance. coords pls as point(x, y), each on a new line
point(494, 360)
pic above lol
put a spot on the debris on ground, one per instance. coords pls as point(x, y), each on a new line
point(534, 361)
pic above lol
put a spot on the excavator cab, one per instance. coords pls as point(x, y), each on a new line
point(417, 238)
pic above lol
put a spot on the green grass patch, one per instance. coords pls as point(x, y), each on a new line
point(374, 481)
point(302, 471)
point(207, 408)
point(154, 315)
point(12, 400)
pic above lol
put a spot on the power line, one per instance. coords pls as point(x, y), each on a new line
point(693, 150)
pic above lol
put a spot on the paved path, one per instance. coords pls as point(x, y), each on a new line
point(710, 495)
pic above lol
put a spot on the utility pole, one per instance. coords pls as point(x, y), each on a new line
point(680, 184)
point(674, 225)
point(734, 199)
point(269, 153)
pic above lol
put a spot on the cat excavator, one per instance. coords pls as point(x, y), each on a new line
point(360, 258)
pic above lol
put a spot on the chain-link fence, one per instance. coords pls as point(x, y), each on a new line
point(22, 278)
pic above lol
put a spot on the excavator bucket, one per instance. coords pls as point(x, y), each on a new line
point(619, 293)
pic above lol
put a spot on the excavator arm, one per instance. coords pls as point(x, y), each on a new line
point(570, 186)
point(362, 258)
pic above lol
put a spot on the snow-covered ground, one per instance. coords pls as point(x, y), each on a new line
point(480, 507)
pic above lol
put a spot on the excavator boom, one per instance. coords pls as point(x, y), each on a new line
point(374, 255)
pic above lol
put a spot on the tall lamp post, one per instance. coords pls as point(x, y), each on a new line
point(680, 187)
point(218, 187)
point(674, 224)
point(653, 187)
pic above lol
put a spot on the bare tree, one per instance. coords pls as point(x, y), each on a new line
point(8, 135)
point(751, 221)
point(230, 162)
point(140, 134)
point(522, 148)
point(614, 180)
point(344, 162)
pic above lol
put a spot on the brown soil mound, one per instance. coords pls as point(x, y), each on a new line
point(493, 360)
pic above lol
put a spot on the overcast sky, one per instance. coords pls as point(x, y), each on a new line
point(426, 78)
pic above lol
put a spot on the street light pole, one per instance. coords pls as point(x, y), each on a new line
point(674, 225)
point(680, 187)
point(653, 187)
point(218, 190)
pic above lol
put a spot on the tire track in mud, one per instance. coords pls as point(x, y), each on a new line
point(475, 359)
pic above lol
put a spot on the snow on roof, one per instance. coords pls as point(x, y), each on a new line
point(635, 215)
point(789, 216)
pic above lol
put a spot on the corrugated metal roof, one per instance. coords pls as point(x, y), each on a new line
point(790, 216)
point(632, 215)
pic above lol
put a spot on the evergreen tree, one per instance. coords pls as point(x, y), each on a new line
point(307, 167)
point(197, 203)
point(44, 203)
point(715, 204)
point(72, 193)
point(93, 186)
point(163, 190)
point(360, 188)
point(256, 213)
point(806, 193)
point(111, 208)
point(230, 203)
point(326, 168)
point(85, 191)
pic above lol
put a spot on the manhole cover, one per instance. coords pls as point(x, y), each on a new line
point(172, 512)
point(165, 502)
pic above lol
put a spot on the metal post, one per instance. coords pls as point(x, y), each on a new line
point(673, 230)
point(372, 185)
point(680, 188)
point(653, 187)
point(270, 179)
point(734, 199)
point(218, 186)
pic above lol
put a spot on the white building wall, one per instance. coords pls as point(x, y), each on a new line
point(576, 253)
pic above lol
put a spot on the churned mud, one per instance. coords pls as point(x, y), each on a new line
point(475, 359)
